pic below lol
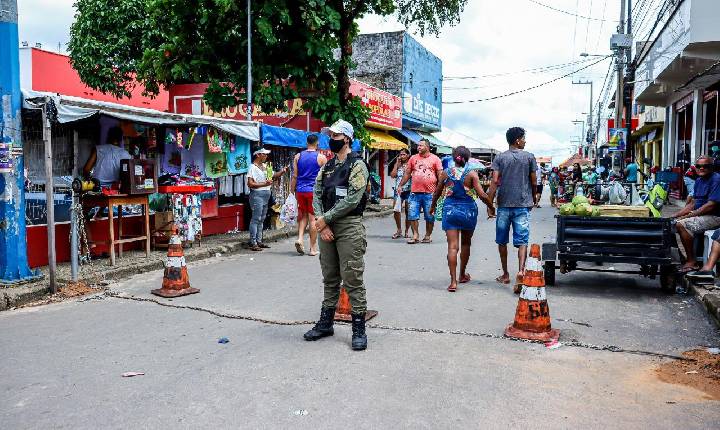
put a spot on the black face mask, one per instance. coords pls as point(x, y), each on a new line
point(336, 145)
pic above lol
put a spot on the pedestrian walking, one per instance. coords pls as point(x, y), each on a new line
point(424, 169)
point(260, 182)
point(401, 193)
point(554, 182)
point(514, 182)
point(339, 199)
point(460, 212)
point(306, 166)
point(539, 185)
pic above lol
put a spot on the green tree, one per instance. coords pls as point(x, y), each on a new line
point(159, 43)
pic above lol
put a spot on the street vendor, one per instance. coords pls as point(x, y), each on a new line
point(104, 161)
point(702, 211)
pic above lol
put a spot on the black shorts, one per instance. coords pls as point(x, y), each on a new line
point(540, 189)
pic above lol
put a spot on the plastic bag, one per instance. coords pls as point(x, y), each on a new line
point(617, 193)
point(289, 210)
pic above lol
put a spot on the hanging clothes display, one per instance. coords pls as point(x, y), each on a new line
point(215, 164)
point(193, 158)
point(238, 159)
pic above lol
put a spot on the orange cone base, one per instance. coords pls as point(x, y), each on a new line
point(548, 336)
point(347, 317)
point(168, 293)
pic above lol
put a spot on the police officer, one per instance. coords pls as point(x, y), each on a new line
point(339, 199)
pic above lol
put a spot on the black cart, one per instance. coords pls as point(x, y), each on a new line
point(645, 242)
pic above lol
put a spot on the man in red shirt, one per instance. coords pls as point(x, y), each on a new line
point(424, 168)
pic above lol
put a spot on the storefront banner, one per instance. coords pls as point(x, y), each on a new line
point(239, 158)
point(385, 108)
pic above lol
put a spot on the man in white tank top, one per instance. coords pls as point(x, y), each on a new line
point(104, 161)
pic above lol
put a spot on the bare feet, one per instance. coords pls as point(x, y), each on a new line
point(504, 278)
point(465, 278)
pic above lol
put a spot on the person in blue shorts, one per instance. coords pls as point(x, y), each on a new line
point(515, 182)
point(460, 212)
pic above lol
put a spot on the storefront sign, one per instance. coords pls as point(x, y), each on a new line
point(385, 110)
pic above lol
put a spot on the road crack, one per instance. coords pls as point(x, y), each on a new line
point(576, 344)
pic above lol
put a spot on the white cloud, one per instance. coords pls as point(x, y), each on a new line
point(492, 37)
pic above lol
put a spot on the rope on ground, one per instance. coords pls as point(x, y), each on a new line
point(576, 344)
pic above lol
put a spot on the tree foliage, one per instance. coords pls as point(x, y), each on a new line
point(158, 43)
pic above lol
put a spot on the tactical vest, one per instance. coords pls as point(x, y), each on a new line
point(335, 184)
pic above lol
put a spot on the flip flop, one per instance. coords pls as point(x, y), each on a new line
point(701, 274)
point(451, 289)
point(396, 236)
point(427, 240)
point(412, 241)
point(300, 248)
point(688, 269)
point(465, 279)
point(502, 281)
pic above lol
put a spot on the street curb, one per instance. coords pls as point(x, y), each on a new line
point(710, 299)
point(12, 297)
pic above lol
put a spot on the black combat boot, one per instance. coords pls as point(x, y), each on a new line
point(359, 339)
point(324, 326)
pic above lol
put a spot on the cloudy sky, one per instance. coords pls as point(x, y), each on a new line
point(493, 38)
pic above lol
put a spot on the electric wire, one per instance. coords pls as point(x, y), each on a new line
point(568, 12)
point(529, 88)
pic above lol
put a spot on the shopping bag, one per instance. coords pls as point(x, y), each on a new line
point(289, 210)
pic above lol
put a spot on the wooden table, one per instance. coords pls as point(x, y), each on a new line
point(120, 200)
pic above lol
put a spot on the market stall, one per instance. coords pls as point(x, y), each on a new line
point(202, 150)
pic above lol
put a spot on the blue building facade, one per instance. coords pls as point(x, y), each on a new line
point(421, 87)
point(397, 63)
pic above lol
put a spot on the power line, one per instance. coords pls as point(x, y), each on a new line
point(530, 88)
point(535, 69)
point(568, 12)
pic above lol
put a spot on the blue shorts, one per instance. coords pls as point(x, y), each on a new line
point(419, 201)
point(520, 220)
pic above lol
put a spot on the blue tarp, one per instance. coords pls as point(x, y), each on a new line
point(289, 137)
point(410, 134)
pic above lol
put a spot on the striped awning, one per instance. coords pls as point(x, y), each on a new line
point(382, 140)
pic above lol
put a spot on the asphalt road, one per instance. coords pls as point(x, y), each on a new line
point(63, 363)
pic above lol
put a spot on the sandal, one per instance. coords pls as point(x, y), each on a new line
point(465, 279)
point(300, 248)
point(427, 240)
point(412, 241)
point(452, 289)
point(255, 248)
point(396, 236)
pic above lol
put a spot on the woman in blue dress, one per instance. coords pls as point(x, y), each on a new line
point(460, 212)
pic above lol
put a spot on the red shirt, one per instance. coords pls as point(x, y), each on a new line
point(424, 172)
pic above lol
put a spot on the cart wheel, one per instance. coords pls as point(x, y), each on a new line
point(549, 269)
point(667, 279)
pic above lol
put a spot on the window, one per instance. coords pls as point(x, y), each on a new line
point(411, 79)
point(436, 93)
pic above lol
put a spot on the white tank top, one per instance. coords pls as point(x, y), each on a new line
point(107, 166)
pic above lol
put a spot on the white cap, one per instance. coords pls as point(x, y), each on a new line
point(261, 151)
point(340, 126)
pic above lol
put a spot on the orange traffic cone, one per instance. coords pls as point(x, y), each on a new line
point(343, 311)
point(532, 317)
point(176, 282)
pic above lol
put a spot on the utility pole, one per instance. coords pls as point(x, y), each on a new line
point(630, 78)
point(248, 90)
point(588, 137)
point(620, 53)
point(13, 235)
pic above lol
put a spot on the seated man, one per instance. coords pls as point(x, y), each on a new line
point(706, 272)
point(702, 211)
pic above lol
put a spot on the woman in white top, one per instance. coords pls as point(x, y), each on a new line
point(260, 186)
